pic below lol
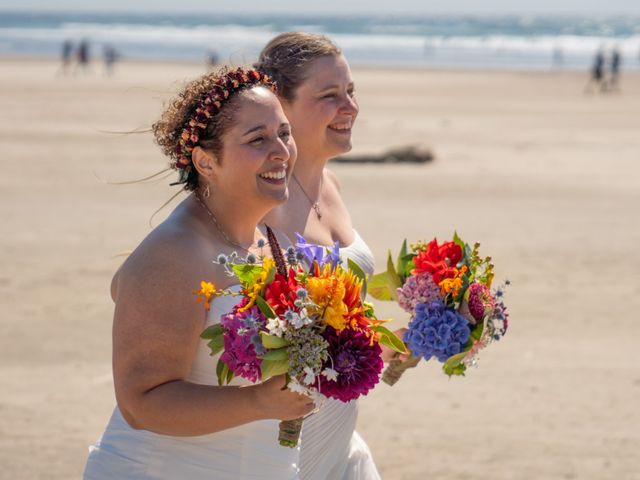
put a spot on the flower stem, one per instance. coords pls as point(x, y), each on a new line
point(289, 433)
point(396, 368)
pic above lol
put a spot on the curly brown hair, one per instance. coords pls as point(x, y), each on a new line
point(180, 113)
point(286, 57)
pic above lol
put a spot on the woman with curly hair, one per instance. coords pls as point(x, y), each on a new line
point(230, 141)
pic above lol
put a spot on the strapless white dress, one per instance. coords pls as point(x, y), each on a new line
point(250, 451)
point(331, 449)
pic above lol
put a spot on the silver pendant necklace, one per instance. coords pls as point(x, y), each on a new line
point(218, 227)
point(315, 205)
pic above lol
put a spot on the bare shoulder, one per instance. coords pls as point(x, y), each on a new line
point(330, 176)
point(168, 264)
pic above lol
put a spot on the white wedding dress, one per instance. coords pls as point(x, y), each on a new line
point(331, 449)
point(250, 451)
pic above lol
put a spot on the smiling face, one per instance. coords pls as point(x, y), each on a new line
point(323, 109)
point(258, 152)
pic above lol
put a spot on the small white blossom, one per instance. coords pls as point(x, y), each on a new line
point(296, 387)
point(309, 376)
point(330, 374)
point(298, 319)
point(276, 326)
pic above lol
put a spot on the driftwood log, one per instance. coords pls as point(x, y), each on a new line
point(396, 155)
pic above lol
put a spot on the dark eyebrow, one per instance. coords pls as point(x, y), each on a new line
point(334, 86)
point(254, 129)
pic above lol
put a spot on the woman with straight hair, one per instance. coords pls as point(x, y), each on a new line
point(317, 92)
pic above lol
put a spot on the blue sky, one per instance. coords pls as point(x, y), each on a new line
point(335, 6)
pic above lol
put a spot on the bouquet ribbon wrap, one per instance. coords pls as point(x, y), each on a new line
point(397, 367)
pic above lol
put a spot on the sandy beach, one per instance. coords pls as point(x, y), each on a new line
point(545, 177)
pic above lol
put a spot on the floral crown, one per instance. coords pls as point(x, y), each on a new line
point(228, 84)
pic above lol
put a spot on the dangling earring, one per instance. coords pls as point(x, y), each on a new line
point(206, 193)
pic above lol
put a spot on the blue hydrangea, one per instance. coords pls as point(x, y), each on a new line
point(436, 331)
point(318, 253)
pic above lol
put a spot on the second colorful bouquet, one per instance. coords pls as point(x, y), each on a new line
point(454, 311)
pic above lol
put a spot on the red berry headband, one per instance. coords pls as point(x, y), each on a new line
point(225, 87)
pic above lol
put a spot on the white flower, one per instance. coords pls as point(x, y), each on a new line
point(306, 319)
point(276, 326)
point(298, 320)
point(296, 387)
point(309, 376)
point(330, 373)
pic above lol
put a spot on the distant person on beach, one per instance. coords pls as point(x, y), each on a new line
point(67, 52)
point(110, 55)
point(557, 59)
point(83, 55)
point(615, 70)
point(213, 59)
point(597, 73)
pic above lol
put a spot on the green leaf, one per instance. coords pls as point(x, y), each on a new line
point(271, 342)
point(230, 376)
point(276, 354)
point(458, 241)
point(355, 268)
point(265, 308)
point(454, 365)
point(390, 339)
point(246, 272)
point(271, 274)
point(216, 345)
point(476, 332)
point(271, 368)
point(383, 286)
point(379, 287)
point(402, 261)
point(222, 371)
point(213, 331)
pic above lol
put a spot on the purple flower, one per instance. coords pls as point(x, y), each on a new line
point(417, 289)
point(481, 302)
point(242, 343)
point(318, 253)
point(436, 331)
point(356, 360)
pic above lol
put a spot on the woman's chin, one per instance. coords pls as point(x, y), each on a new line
point(275, 193)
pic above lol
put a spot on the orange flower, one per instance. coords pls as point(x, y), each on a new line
point(454, 284)
point(336, 293)
point(207, 290)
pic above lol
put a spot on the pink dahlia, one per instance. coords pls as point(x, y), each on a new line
point(242, 342)
point(481, 302)
point(355, 359)
point(417, 289)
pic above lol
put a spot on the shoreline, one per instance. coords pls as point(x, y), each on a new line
point(97, 61)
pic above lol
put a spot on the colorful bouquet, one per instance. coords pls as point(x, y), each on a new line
point(447, 290)
point(303, 316)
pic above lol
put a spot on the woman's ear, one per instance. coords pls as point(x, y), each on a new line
point(204, 162)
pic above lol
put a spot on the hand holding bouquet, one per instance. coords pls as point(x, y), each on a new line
point(447, 290)
point(308, 322)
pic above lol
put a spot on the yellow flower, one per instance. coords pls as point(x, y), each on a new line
point(336, 293)
point(449, 285)
point(255, 288)
point(207, 290)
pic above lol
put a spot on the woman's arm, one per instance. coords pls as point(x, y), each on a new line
point(157, 326)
